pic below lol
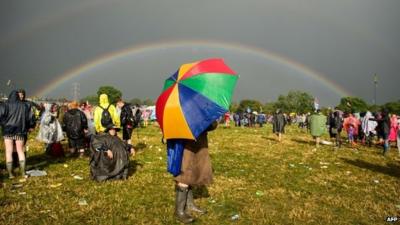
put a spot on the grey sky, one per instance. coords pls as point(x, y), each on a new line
point(346, 41)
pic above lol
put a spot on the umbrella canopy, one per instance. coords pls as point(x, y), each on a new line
point(193, 97)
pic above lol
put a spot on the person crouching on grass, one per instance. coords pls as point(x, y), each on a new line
point(109, 155)
point(195, 171)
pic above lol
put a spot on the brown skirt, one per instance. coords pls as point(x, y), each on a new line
point(196, 164)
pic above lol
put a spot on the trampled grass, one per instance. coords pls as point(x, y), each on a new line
point(255, 177)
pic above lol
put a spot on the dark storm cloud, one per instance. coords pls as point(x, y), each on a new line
point(347, 41)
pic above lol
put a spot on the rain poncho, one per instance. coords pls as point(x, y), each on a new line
point(15, 117)
point(278, 124)
point(317, 125)
point(368, 125)
point(103, 168)
point(393, 128)
point(50, 129)
point(104, 103)
point(351, 120)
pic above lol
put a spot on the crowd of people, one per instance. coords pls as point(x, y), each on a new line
point(89, 130)
point(365, 128)
point(94, 130)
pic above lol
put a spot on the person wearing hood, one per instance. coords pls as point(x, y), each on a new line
point(335, 127)
point(398, 134)
point(368, 126)
point(50, 130)
point(351, 123)
point(317, 126)
point(105, 114)
point(127, 119)
point(393, 128)
point(278, 124)
point(385, 126)
point(75, 125)
point(31, 107)
point(109, 155)
point(17, 119)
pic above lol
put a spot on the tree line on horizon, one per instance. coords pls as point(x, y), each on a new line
point(294, 102)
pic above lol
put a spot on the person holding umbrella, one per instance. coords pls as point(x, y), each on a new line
point(195, 171)
point(192, 100)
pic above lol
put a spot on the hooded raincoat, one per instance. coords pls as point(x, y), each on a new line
point(50, 129)
point(393, 128)
point(351, 120)
point(369, 124)
point(104, 103)
point(317, 124)
point(279, 122)
point(103, 168)
point(15, 116)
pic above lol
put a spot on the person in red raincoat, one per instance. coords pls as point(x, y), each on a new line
point(393, 128)
point(227, 119)
point(351, 120)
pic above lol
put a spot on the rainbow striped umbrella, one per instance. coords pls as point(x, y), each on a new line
point(193, 97)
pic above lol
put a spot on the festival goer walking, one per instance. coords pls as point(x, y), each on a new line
point(236, 118)
point(278, 124)
point(145, 116)
point(398, 135)
point(50, 130)
point(354, 122)
point(31, 107)
point(350, 134)
point(109, 155)
point(227, 119)
point(105, 114)
point(76, 126)
point(393, 128)
point(385, 122)
point(195, 171)
point(302, 121)
point(16, 120)
point(261, 119)
point(317, 126)
point(335, 128)
point(368, 126)
point(127, 122)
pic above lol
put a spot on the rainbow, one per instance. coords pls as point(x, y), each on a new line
point(139, 49)
point(52, 19)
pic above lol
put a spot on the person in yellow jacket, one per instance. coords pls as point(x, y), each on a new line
point(98, 113)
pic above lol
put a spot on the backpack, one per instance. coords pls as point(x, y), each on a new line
point(106, 117)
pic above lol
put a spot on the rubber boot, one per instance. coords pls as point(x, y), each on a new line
point(22, 167)
point(190, 203)
point(9, 166)
point(180, 203)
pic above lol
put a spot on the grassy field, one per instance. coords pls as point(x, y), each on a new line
point(255, 177)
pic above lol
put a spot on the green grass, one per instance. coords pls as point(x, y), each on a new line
point(261, 180)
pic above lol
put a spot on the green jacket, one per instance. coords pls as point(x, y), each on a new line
point(317, 125)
